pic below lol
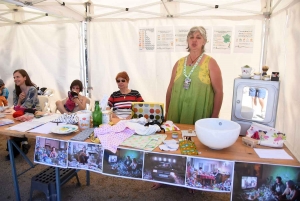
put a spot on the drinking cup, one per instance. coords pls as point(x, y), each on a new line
point(246, 71)
point(84, 119)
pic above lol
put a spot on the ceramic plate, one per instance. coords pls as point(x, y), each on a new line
point(64, 129)
point(245, 77)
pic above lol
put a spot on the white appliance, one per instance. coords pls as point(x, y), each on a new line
point(247, 108)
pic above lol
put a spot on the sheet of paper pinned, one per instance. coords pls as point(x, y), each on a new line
point(273, 153)
point(103, 102)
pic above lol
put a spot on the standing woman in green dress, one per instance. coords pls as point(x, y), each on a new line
point(195, 90)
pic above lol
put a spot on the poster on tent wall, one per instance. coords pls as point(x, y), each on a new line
point(180, 38)
point(51, 152)
point(146, 39)
point(243, 40)
point(164, 39)
point(253, 181)
point(221, 42)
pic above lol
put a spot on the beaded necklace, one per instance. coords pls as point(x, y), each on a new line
point(188, 80)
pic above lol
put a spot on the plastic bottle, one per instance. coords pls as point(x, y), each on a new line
point(97, 115)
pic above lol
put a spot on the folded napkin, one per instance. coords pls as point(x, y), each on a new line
point(169, 145)
point(170, 126)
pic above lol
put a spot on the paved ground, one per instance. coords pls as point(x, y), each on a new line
point(102, 187)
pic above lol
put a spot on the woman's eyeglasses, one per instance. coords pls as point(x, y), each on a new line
point(118, 81)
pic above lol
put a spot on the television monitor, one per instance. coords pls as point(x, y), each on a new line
point(112, 159)
point(249, 182)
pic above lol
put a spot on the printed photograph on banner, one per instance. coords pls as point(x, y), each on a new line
point(51, 152)
point(254, 181)
point(124, 163)
point(87, 156)
point(221, 42)
point(165, 39)
point(164, 168)
point(210, 175)
point(243, 40)
point(146, 39)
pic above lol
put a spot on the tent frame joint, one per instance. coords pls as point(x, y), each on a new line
point(88, 19)
point(28, 3)
point(267, 15)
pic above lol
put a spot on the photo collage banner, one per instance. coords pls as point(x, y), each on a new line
point(246, 181)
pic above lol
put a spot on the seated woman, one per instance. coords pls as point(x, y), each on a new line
point(53, 153)
point(290, 193)
point(133, 164)
point(24, 97)
point(74, 102)
point(121, 100)
point(83, 156)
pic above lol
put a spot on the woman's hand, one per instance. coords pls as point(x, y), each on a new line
point(21, 98)
point(76, 100)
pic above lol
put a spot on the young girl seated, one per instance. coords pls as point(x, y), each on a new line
point(74, 102)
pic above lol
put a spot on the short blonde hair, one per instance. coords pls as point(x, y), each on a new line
point(202, 32)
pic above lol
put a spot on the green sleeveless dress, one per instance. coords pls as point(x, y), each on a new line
point(189, 105)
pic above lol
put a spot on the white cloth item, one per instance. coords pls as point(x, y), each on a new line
point(141, 129)
point(141, 120)
point(168, 147)
point(170, 141)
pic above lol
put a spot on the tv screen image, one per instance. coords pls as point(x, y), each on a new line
point(249, 182)
point(112, 159)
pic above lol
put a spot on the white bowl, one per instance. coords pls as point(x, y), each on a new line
point(217, 133)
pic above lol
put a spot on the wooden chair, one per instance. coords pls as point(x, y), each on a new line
point(44, 101)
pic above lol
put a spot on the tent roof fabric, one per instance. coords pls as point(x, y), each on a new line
point(37, 11)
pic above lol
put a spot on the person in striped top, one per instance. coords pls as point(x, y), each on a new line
point(121, 100)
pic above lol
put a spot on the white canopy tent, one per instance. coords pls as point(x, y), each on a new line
point(46, 38)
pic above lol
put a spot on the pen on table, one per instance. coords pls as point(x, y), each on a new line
point(36, 127)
